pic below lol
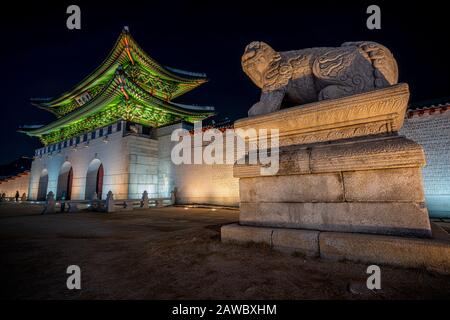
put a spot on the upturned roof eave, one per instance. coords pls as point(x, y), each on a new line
point(76, 114)
point(109, 62)
point(167, 71)
point(101, 100)
point(182, 109)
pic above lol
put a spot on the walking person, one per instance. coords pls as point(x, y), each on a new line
point(17, 196)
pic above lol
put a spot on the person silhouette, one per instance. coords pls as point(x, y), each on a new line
point(17, 196)
point(63, 202)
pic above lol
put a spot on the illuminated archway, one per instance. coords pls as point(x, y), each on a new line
point(94, 179)
point(42, 187)
point(65, 178)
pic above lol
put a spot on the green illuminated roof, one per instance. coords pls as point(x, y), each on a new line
point(128, 85)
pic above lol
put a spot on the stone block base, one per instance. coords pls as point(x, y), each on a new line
point(239, 233)
point(388, 218)
point(370, 185)
point(432, 254)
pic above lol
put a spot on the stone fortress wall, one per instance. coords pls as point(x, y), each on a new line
point(134, 163)
point(202, 183)
point(131, 164)
point(215, 184)
point(207, 184)
point(19, 183)
point(430, 127)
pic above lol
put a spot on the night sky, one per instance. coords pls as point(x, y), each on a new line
point(42, 58)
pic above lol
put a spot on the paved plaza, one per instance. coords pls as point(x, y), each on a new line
point(174, 253)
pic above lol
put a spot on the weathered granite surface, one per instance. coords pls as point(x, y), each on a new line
point(302, 241)
point(402, 184)
point(371, 153)
point(292, 188)
point(348, 186)
point(371, 185)
point(390, 218)
point(335, 174)
point(288, 240)
point(234, 232)
point(431, 254)
point(377, 112)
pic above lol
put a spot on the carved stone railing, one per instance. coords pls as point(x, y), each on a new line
point(108, 205)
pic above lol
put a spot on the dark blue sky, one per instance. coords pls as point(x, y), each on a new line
point(42, 58)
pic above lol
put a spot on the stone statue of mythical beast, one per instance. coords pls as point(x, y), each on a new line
point(302, 76)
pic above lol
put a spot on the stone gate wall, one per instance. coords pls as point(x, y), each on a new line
point(19, 183)
point(430, 127)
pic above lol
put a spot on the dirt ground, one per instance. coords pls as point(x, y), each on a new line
point(174, 253)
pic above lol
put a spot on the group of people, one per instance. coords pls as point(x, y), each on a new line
point(3, 197)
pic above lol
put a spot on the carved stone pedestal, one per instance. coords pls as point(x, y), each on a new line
point(342, 170)
point(371, 185)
